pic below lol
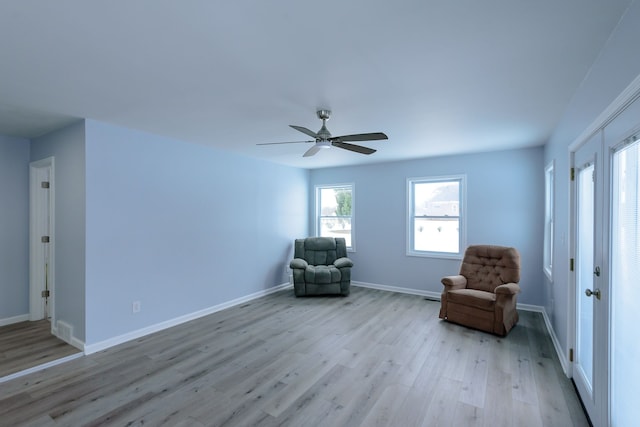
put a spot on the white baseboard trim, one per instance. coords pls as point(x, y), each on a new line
point(40, 367)
point(564, 362)
point(429, 294)
point(15, 319)
point(120, 339)
point(554, 338)
point(111, 342)
point(530, 307)
point(77, 343)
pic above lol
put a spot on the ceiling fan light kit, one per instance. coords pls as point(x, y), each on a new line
point(323, 138)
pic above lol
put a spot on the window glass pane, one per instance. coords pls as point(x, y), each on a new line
point(335, 201)
point(336, 227)
point(334, 212)
point(437, 198)
point(436, 235)
point(548, 222)
point(328, 204)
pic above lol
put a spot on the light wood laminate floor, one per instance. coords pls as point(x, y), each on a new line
point(25, 345)
point(374, 358)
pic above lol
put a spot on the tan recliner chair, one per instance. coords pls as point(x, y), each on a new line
point(483, 295)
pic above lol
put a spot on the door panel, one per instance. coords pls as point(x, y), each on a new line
point(590, 343)
point(625, 271)
point(41, 241)
point(584, 275)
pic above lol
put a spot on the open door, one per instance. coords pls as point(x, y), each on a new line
point(591, 330)
point(41, 241)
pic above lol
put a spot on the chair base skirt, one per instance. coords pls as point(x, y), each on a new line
point(308, 289)
point(483, 320)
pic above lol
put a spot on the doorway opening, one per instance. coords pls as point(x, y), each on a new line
point(42, 241)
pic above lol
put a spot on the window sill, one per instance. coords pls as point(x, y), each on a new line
point(439, 255)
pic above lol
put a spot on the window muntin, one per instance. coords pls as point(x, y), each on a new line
point(334, 212)
point(435, 226)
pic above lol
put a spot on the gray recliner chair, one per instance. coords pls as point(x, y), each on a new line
point(321, 266)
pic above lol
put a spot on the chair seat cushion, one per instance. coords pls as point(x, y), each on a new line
point(322, 274)
point(473, 298)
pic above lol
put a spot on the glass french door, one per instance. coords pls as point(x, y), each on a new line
point(590, 314)
point(625, 277)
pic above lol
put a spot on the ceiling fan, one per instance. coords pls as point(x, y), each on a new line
point(323, 138)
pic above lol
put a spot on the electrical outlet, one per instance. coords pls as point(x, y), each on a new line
point(136, 307)
point(286, 268)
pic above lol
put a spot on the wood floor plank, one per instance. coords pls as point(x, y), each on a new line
point(468, 415)
point(24, 345)
point(524, 384)
point(374, 358)
point(441, 409)
point(386, 405)
point(297, 381)
point(474, 382)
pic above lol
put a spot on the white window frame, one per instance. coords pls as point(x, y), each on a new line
point(462, 234)
point(318, 204)
point(549, 219)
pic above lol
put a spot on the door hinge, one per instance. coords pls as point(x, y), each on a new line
point(571, 264)
point(573, 174)
point(44, 239)
point(570, 355)
point(44, 184)
point(46, 294)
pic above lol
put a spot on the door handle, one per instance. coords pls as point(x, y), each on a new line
point(597, 271)
point(595, 292)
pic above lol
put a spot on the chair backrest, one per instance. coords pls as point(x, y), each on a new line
point(487, 266)
point(320, 250)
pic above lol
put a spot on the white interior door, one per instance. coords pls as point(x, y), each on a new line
point(590, 341)
point(41, 245)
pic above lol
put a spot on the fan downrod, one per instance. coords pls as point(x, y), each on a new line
point(323, 133)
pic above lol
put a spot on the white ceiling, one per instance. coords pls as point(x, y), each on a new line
point(437, 76)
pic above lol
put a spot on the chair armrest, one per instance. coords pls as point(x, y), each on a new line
point(508, 289)
point(454, 282)
point(298, 263)
point(343, 262)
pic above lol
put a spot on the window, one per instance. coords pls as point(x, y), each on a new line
point(436, 226)
point(334, 212)
point(548, 221)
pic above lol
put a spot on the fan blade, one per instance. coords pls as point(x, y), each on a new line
point(311, 133)
point(288, 142)
point(351, 147)
point(360, 137)
point(311, 151)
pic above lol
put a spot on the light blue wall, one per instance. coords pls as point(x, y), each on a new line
point(14, 227)
point(504, 207)
point(67, 146)
point(181, 227)
point(616, 67)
